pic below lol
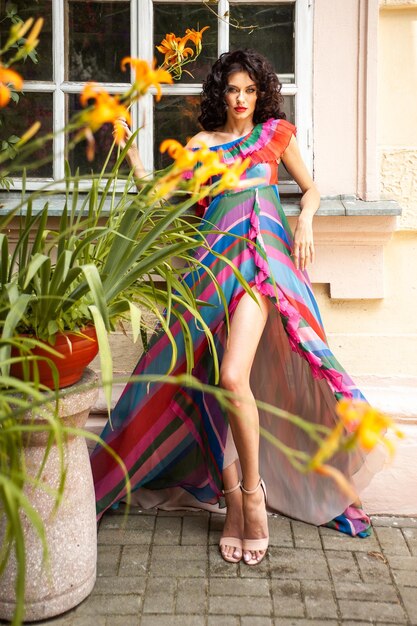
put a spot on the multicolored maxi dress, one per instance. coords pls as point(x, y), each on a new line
point(175, 440)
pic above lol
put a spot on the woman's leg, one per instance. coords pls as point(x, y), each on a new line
point(246, 330)
point(233, 525)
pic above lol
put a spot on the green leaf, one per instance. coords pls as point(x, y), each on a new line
point(135, 318)
point(106, 362)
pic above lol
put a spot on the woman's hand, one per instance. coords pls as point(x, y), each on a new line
point(303, 248)
point(132, 155)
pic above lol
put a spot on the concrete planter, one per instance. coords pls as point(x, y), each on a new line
point(70, 573)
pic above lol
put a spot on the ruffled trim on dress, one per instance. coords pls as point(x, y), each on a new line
point(264, 144)
point(292, 318)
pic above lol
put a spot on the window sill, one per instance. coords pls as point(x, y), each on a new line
point(349, 236)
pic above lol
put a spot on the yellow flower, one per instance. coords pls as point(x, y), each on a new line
point(8, 77)
point(196, 37)
point(32, 39)
point(367, 424)
point(174, 49)
point(146, 76)
point(232, 175)
point(28, 134)
point(105, 108)
point(329, 446)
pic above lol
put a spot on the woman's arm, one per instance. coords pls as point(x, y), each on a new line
point(132, 155)
point(303, 251)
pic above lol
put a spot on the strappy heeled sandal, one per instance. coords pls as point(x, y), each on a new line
point(251, 545)
point(233, 542)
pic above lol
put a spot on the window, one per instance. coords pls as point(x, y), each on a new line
point(85, 40)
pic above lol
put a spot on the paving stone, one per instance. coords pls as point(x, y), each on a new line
point(62, 620)
point(305, 622)
point(131, 522)
point(160, 595)
point(319, 600)
point(173, 620)
point(410, 535)
point(108, 558)
point(306, 535)
point(409, 597)
point(121, 605)
point(280, 531)
point(232, 605)
point(334, 540)
point(342, 565)
point(123, 537)
point(392, 541)
point(286, 597)
point(223, 620)
point(121, 620)
point(134, 561)
point(119, 585)
point(255, 621)
point(218, 566)
point(180, 561)
point(406, 578)
point(365, 591)
point(191, 596)
point(298, 564)
point(240, 587)
point(167, 531)
point(359, 609)
point(194, 530)
point(394, 522)
point(92, 621)
point(373, 567)
point(403, 562)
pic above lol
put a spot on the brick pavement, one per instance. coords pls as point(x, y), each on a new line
point(165, 570)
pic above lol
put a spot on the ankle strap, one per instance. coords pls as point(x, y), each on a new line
point(226, 491)
point(249, 491)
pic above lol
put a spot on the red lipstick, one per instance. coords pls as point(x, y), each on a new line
point(240, 109)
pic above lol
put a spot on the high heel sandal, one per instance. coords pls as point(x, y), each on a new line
point(233, 542)
point(251, 545)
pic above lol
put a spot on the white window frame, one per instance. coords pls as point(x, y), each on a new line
point(142, 46)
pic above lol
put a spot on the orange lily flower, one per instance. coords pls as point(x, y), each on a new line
point(106, 108)
point(196, 37)
point(146, 76)
point(8, 77)
point(174, 49)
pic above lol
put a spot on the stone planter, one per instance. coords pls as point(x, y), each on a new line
point(70, 573)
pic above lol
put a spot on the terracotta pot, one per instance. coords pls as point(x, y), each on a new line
point(77, 351)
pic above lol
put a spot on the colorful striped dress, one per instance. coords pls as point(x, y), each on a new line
point(175, 440)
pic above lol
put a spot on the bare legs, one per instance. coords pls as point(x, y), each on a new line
point(246, 330)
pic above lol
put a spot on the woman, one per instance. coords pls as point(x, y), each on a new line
point(176, 441)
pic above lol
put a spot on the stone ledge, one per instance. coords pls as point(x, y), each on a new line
point(341, 205)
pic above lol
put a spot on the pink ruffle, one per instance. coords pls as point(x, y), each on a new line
point(287, 310)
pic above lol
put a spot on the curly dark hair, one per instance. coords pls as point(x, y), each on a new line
point(269, 101)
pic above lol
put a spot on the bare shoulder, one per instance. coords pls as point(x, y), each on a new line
point(205, 137)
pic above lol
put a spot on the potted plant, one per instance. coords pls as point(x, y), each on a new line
point(110, 256)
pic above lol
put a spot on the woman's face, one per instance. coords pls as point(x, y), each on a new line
point(240, 96)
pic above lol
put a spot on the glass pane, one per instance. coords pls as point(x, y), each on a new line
point(268, 29)
point(175, 117)
point(170, 17)
point(37, 66)
point(98, 39)
point(15, 119)
point(103, 143)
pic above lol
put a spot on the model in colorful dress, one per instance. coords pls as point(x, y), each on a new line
point(179, 446)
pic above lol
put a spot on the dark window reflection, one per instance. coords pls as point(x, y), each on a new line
point(272, 33)
point(169, 17)
point(175, 117)
point(17, 118)
point(98, 39)
point(42, 68)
